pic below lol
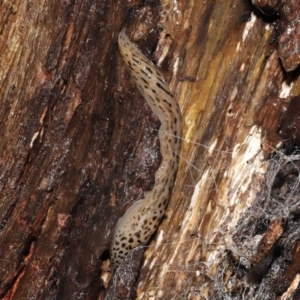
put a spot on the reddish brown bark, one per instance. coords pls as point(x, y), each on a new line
point(74, 132)
point(78, 145)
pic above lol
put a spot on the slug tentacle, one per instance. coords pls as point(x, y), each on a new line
point(143, 217)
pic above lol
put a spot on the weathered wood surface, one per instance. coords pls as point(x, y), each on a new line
point(78, 144)
point(72, 137)
point(225, 204)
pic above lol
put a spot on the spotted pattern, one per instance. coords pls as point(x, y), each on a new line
point(143, 217)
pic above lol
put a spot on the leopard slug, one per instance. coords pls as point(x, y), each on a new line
point(143, 217)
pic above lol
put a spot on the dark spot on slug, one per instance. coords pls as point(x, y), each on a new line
point(166, 101)
point(162, 88)
point(149, 70)
point(144, 80)
point(137, 61)
point(145, 73)
point(161, 108)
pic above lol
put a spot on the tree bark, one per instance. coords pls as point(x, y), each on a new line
point(79, 145)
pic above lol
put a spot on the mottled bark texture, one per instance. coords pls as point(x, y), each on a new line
point(287, 16)
point(76, 137)
point(78, 145)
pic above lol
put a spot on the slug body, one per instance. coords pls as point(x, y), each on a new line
point(143, 217)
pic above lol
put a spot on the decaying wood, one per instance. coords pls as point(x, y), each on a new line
point(75, 139)
point(222, 211)
point(79, 145)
